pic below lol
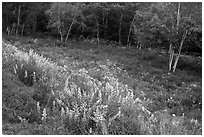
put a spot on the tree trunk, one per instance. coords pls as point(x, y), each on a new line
point(180, 48)
point(178, 17)
point(8, 30)
point(171, 51)
point(61, 34)
point(103, 24)
point(120, 28)
point(70, 27)
point(128, 38)
point(59, 25)
point(171, 55)
point(130, 29)
point(98, 31)
point(13, 28)
point(106, 27)
point(19, 13)
point(22, 30)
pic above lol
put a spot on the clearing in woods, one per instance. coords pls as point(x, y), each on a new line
point(145, 71)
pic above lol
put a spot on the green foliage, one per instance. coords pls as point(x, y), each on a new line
point(156, 25)
point(151, 24)
point(63, 16)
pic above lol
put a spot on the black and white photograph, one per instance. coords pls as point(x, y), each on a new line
point(101, 68)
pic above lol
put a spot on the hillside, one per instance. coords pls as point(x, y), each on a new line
point(79, 87)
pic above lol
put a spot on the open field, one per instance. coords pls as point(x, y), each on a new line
point(83, 88)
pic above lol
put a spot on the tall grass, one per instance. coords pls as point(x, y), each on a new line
point(88, 101)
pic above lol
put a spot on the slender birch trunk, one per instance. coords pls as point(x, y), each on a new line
point(13, 28)
point(106, 27)
point(19, 13)
point(59, 24)
point(120, 28)
point(178, 17)
point(61, 34)
point(8, 30)
point(130, 29)
point(180, 48)
point(98, 31)
point(171, 51)
point(103, 23)
point(171, 55)
point(70, 27)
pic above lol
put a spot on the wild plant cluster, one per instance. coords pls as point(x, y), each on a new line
point(88, 101)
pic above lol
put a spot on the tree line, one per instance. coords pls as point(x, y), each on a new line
point(143, 24)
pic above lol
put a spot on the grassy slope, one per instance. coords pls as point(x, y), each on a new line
point(180, 92)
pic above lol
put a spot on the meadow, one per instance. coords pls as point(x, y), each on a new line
point(79, 87)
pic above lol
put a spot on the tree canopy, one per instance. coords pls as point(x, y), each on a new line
point(149, 24)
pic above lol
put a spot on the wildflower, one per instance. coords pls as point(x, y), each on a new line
point(91, 130)
point(22, 119)
point(53, 105)
point(62, 112)
point(193, 121)
point(38, 107)
point(44, 115)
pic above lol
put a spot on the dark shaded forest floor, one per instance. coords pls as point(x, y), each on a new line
point(146, 71)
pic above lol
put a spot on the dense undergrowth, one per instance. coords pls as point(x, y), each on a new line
point(81, 88)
